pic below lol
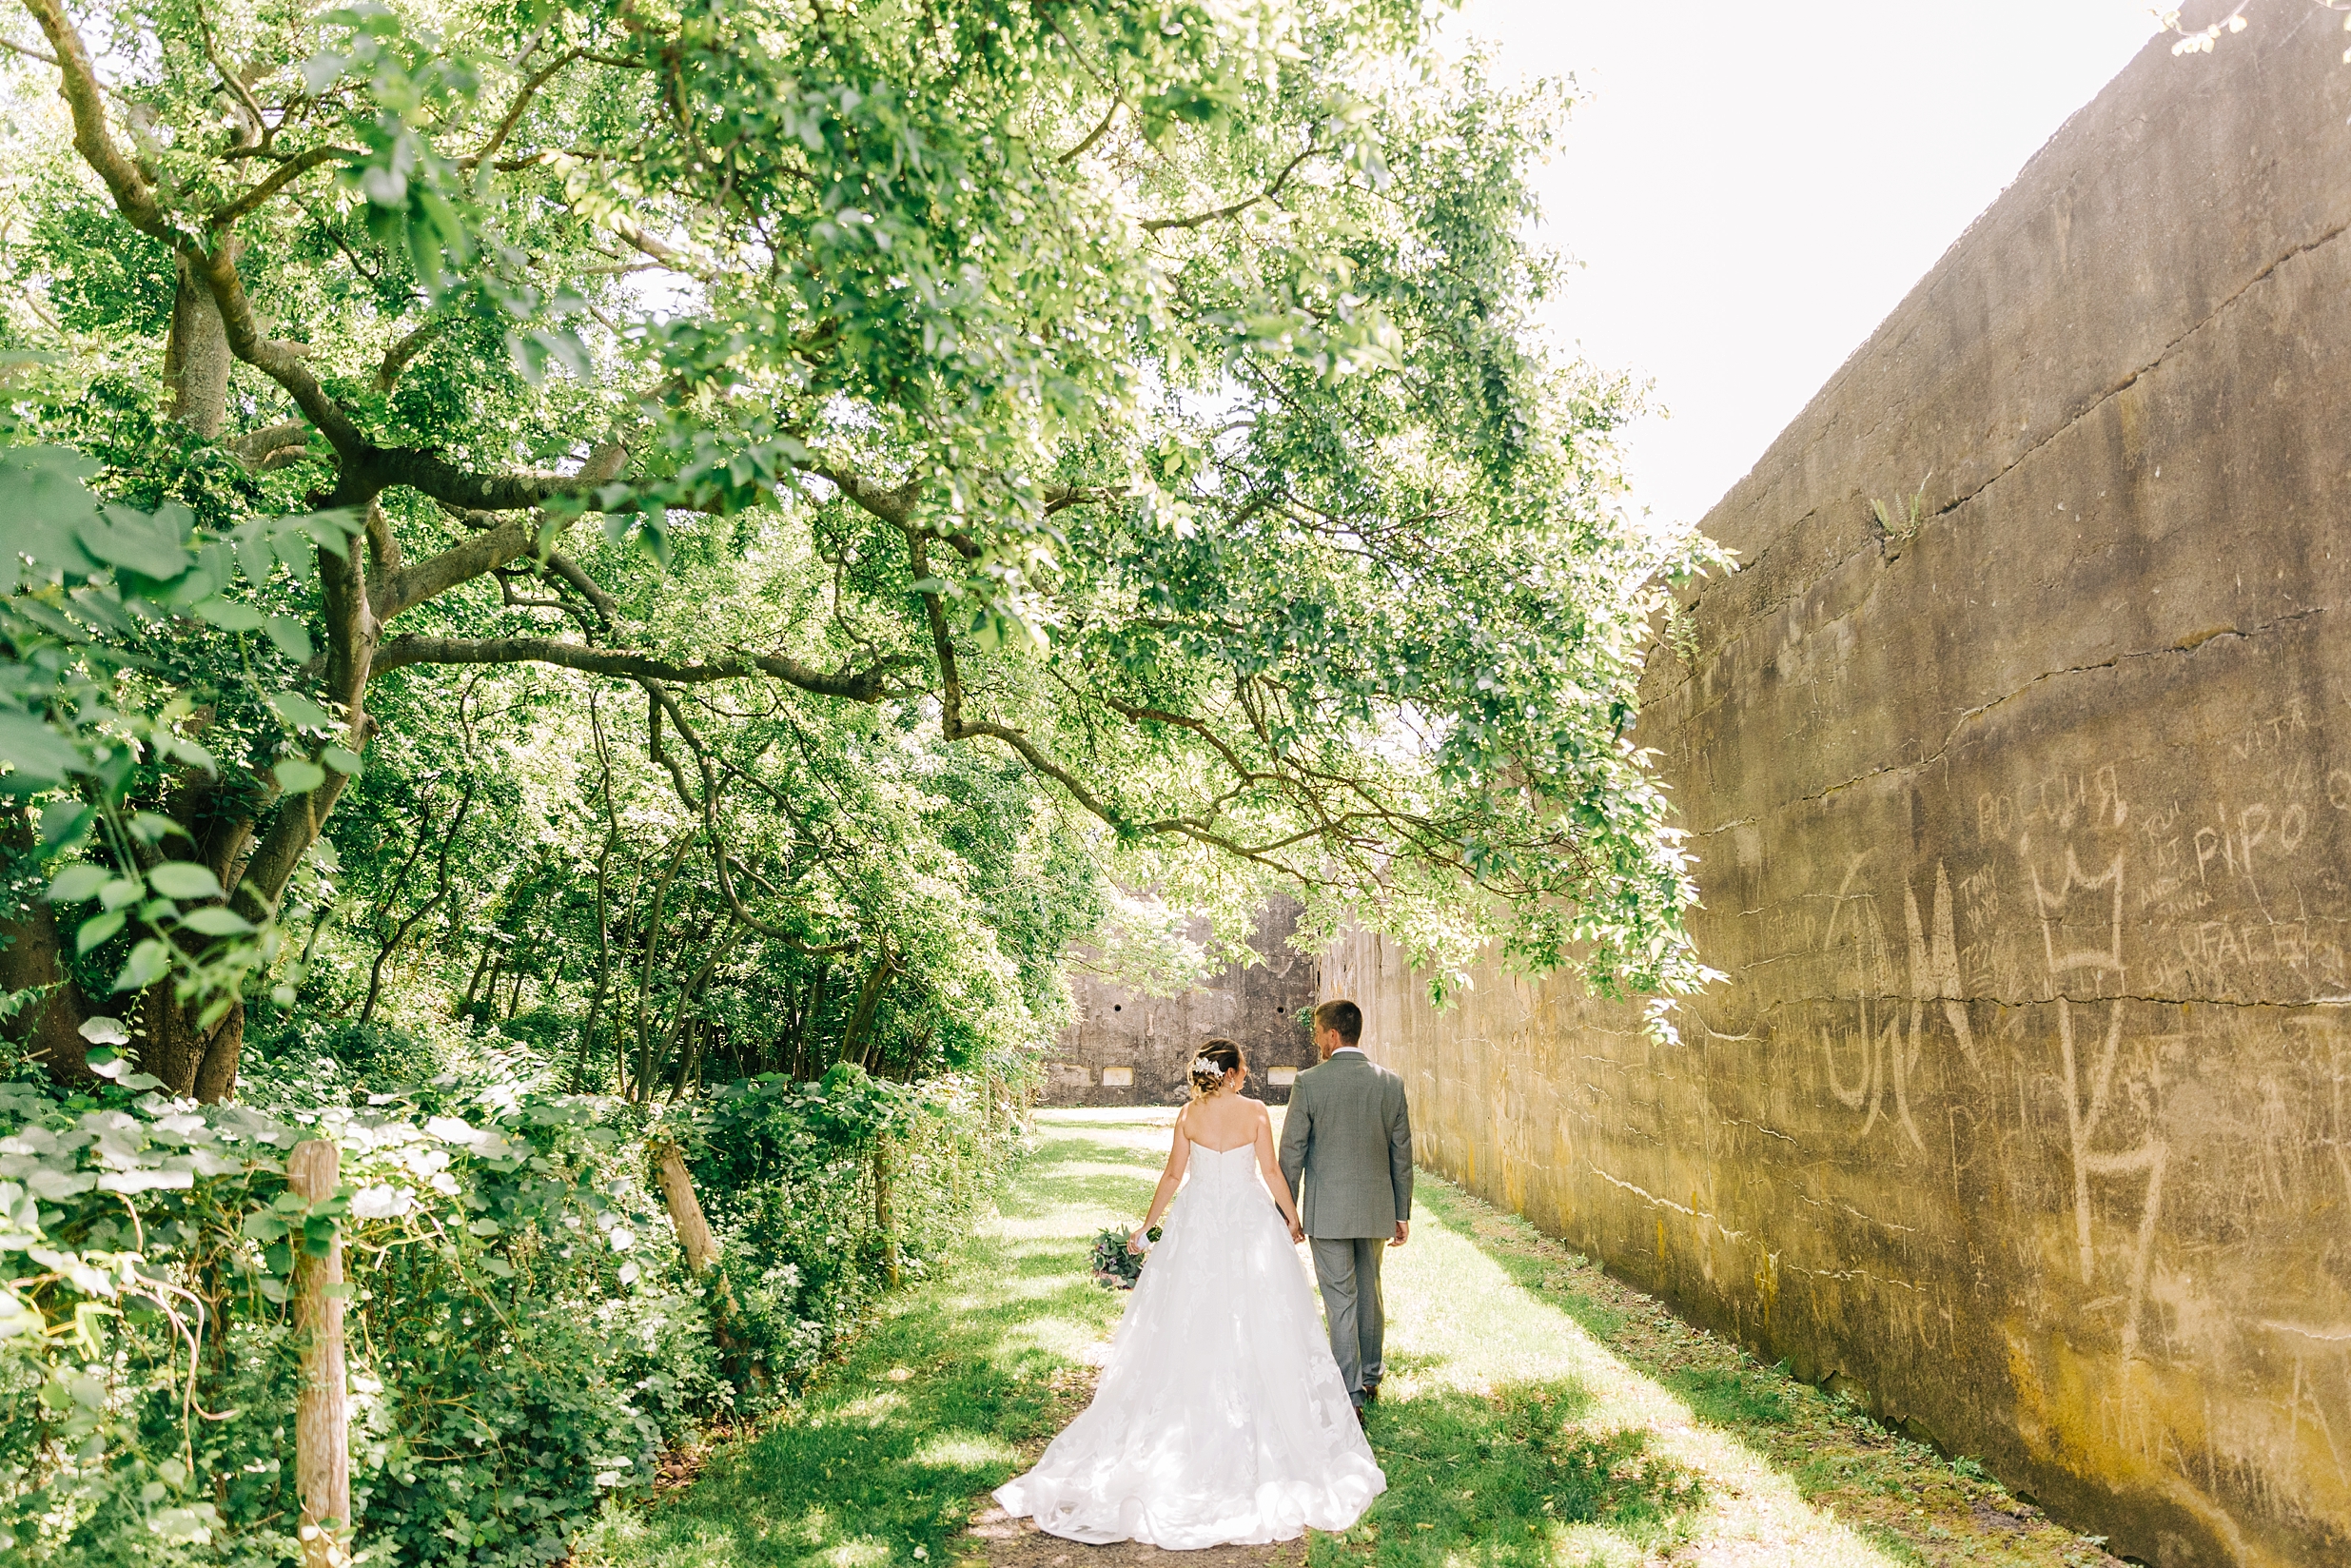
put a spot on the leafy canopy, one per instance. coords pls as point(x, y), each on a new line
point(1143, 395)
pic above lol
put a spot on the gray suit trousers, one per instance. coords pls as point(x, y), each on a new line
point(1347, 1269)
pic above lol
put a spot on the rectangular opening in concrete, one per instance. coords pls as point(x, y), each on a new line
point(1118, 1077)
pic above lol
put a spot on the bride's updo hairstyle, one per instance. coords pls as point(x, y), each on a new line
point(1210, 1065)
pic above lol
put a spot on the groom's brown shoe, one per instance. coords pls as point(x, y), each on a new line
point(1371, 1394)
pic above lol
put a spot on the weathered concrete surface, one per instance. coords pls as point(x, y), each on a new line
point(1154, 1038)
point(2026, 1109)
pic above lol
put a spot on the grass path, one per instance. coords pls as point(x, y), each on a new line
point(1537, 1415)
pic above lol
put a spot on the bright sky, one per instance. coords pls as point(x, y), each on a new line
point(1753, 188)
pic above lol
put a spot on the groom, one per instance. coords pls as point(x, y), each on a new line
point(1346, 1151)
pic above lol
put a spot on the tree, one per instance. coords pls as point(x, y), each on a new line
point(1142, 394)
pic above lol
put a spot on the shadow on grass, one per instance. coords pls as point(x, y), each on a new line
point(1498, 1477)
point(888, 1452)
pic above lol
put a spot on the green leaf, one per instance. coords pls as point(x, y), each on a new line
point(295, 555)
point(97, 929)
point(292, 638)
point(298, 776)
point(34, 750)
point(149, 962)
point(184, 879)
point(45, 500)
point(120, 891)
point(77, 884)
point(330, 531)
point(229, 615)
point(184, 750)
point(254, 557)
point(214, 920)
point(152, 827)
point(301, 712)
point(154, 544)
point(341, 760)
point(62, 823)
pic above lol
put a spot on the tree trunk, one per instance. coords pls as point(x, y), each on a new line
point(604, 964)
point(853, 1045)
point(168, 1044)
point(196, 357)
point(323, 1415)
point(49, 1027)
point(216, 1078)
point(489, 946)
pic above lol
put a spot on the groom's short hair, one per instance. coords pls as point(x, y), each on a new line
point(1342, 1018)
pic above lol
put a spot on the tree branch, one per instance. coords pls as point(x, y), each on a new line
point(83, 95)
point(1156, 226)
point(262, 129)
point(409, 346)
point(894, 505)
point(486, 551)
point(286, 174)
point(1094, 135)
point(870, 684)
point(264, 448)
point(569, 571)
point(514, 113)
point(28, 52)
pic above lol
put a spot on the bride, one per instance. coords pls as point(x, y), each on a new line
point(1220, 1417)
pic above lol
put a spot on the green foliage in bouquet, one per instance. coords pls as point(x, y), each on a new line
point(1115, 1267)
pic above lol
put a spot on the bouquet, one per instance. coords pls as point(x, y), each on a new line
point(1114, 1267)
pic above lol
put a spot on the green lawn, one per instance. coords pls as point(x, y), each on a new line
point(891, 1452)
point(1537, 1415)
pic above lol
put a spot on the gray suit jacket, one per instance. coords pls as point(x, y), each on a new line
point(1346, 1147)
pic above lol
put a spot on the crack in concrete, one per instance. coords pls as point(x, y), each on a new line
point(2195, 642)
point(2149, 368)
point(1873, 538)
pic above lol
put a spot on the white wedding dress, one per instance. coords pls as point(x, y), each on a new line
point(1220, 1417)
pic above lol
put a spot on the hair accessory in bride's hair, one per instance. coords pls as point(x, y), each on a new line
point(1216, 1059)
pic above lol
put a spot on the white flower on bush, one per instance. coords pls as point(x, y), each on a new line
point(381, 1203)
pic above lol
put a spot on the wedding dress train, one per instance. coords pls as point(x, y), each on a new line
point(1220, 1417)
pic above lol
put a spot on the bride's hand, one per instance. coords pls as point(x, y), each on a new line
point(1134, 1242)
point(1298, 1232)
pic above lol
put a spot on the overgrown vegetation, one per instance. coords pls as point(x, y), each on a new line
point(527, 1339)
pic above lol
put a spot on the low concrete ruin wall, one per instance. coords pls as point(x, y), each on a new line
point(1124, 1049)
point(2026, 1109)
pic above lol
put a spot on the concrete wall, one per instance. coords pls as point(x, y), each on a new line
point(1154, 1039)
point(2026, 1109)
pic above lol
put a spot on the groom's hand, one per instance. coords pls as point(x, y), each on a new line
point(1403, 1228)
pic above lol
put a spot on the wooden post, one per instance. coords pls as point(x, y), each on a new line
point(685, 1209)
point(883, 1218)
point(323, 1419)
